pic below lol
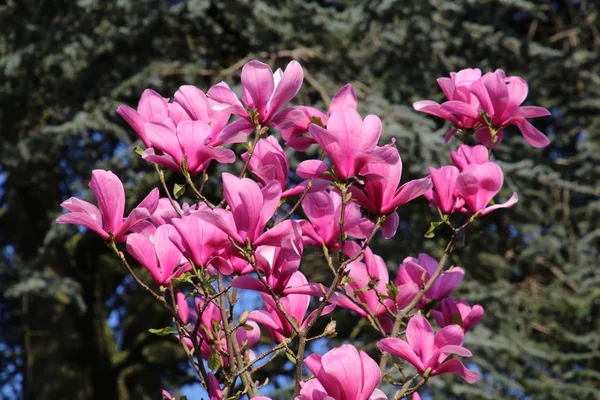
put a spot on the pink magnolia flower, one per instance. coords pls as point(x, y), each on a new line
point(269, 162)
point(251, 207)
point(212, 335)
point(107, 218)
point(500, 97)
point(428, 352)
point(343, 373)
point(443, 194)
point(186, 140)
point(367, 278)
point(264, 93)
point(380, 195)
point(477, 184)
point(418, 271)
point(295, 136)
point(277, 265)
point(158, 254)
point(468, 191)
point(201, 241)
point(295, 306)
point(163, 214)
point(197, 107)
point(456, 88)
point(466, 155)
point(350, 144)
point(152, 107)
point(166, 395)
point(323, 210)
point(458, 312)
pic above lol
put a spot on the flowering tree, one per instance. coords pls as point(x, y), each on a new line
point(199, 255)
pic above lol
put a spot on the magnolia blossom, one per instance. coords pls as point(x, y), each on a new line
point(427, 352)
point(486, 104)
point(277, 265)
point(458, 312)
point(416, 272)
point(323, 210)
point(350, 143)
point(158, 254)
point(251, 207)
point(263, 93)
point(371, 270)
point(152, 107)
point(185, 141)
point(295, 306)
point(468, 191)
point(380, 195)
point(201, 241)
point(456, 88)
point(195, 106)
point(212, 336)
point(466, 155)
point(343, 373)
point(295, 136)
point(107, 218)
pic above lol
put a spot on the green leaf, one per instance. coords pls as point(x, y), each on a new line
point(185, 277)
point(214, 361)
point(167, 330)
point(432, 227)
point(290, 357)
point(178, 190)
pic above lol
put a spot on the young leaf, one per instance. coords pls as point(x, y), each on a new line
point(167, 330)
point(178, 190)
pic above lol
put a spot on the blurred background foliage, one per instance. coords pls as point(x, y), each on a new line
point(73, 326)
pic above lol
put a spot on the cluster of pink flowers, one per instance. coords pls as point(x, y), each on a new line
point(486, 104)
point(249, 241)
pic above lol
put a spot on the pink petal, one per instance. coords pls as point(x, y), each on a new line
point(226, 100)
point(517, 91)
point(507, 204)
point(192, 136)
point(454, 366)
point(372, 128)
point(390, 226)
point(193, 101)
point(110, 194)
point(135, 120)
point(312, 169)
point(142, 249)
point(249, 282)
point(345, 97)
point(532, 112)
point(344, 377)
point(401, 349)
point(419, 335)
point(371, 376)
point(152, 106)
point(449, 335)
point(532, 135)
point(164, 138)
point(287, 88)
point(85, 220)
point(257, 79)
point(460, 108)
point(409, 191)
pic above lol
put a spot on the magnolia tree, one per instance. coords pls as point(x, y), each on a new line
point(198, 255)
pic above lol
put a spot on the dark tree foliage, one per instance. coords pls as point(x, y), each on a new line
point(72, 326)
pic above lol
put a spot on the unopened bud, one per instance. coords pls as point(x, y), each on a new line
point(244, 317)
point(330, 329)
